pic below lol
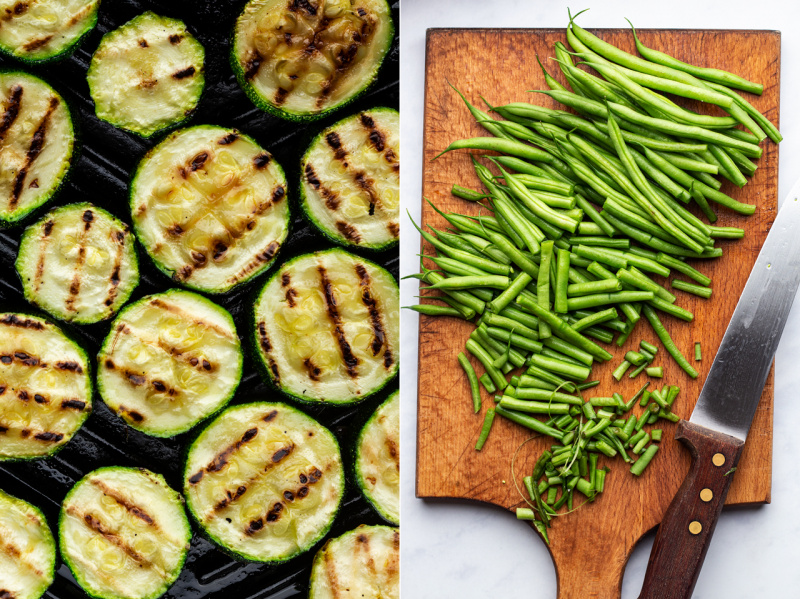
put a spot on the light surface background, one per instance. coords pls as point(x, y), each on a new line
point(469, 550)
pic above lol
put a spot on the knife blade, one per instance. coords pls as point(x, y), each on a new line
point(716, 431)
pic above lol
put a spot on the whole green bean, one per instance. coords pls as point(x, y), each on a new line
point(667, 342)
point(504, 146)
point(698, 290)
point(434, 310)
point(473, 381)
point(488, 419)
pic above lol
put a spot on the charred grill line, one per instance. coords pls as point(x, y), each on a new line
point(24, 323)
point(34, 149)
point(12, 110)
point(184, 73)
point(379, 334)
point(221, 459)
point(331, 197)
point(34, 45)
point(350, 360)
point(130, 507)
point(114, 279)
point(349, 231)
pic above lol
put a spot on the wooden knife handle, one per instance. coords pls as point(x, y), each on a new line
point(685, 532)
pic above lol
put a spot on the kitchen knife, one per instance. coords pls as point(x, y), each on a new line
point(716, 431)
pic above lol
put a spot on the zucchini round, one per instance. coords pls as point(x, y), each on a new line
point(169, 361)
point(36, 143)
point(351, 180)
point(363, 563)
point(327, 327)
point(302, 59)
point(27, 550)
point(45, 387)
point(378, 459)
point(46, 29)
point(123, 533)
point(209, 206)
point(265, 481)
point(147, 75)
point(78, 263)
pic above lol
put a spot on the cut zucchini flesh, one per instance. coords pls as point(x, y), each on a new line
point(264, 481)
point(378, 459)
point(364, 562)
point(304, 58)
point(327, 327)
point(78, 263)
point(147, 75)
point(44, 29)
point(45, 387)
point(124, 533)
point(351, 179)
point(170, 360)
point(27, 550)
point(36, 142)
point(209, 206)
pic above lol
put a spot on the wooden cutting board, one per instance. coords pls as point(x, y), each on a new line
point(591, 546)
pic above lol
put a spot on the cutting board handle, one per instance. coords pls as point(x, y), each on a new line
point(685, 532)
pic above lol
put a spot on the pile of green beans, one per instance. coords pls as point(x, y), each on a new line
point(579, 214)
point(585, 434)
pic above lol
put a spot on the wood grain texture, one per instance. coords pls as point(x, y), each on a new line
point(592, 545)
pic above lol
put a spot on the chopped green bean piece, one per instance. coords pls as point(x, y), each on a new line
point(643, 461)
point(487, 426)
point(698, 355)
point(655, 372)
point(473, 381)
point(620, 370)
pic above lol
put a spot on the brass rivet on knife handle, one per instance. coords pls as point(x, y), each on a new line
point(706, 495)
point(718, 459)
point(695, 527)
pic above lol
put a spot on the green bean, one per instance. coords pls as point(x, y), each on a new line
point(434, 310)
point(516, 256)
point(529, 422)
point(698, 290)
point(563, 330)
point(688, 164)
point(473, 381)
point(681, 130)
point(672, 309)
point(466, 312)
point(533, 407)
point(481, 116)
point(749, 109)
point(488, 419)
point(467, 194)
point(562, 277)
point(643, 461)
point(604, 285)
point(497, 348)
point(546, 184)
point(487, 383)
point(543, 285)
point(667, 342)
point(603, 299)
point(727, 233)
point(595, 319)
point(472, 281)
point(519, 226)
point(649, 239)
point(565, 369)
point(698, 354)
point(551, 83)
point(455, 267)
point(462, 297)
point(716, 75)
point(731, 171)
point(639, 280)
point(498, 144)
point(537, 207)
point(515, 339)
point(635, 358)
point(548, 396)
point(600, 255)
point(568, 351)
point(620, 370)
point(604, 242)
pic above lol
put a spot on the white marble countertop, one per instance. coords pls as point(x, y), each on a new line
point(468, 550)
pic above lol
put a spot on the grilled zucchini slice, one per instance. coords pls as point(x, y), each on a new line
point(170, 360)
point(78, 263)
point(302, 59)
point(147, 75)
point(264, 481)
point(209, 206)
point(124, 533)
point(36, 143)
point(45, 387)
point(378, 459)
point(27, 550)
point(46, 29)
point(351, 180)
point(327, 327)
point(363, 563)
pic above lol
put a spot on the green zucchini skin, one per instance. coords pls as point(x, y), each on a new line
point(49, 31)
point(330, 339)
point(170, 361)
point(363, 562)
point(249, 64)
point(264, 481)
point(42, 153)
point(67, 270)
point(42, 411)
point(27, 550)
point(377, 463)
point(148, 521)
point(350, 180)
point(243, 229)
point(158, 94)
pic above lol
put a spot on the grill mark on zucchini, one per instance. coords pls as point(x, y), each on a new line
point(378, 140)
point(130, 507)
point(16, 554)
point(362, 545)
point(253, 64)
point(12, 110)
point(43, 243)
point(332, 576)
point(265, 256)
point(331, 197)
point(20, 8)
point(26, 323)
point(184, 73)
point(262, 336)
point(365, 183)
point(34, 149)
point(171, 308)
point(378, 330)
point(114, 280)
point(221, 459)
point(34, 45)
point(350, 360)
point(394, 229)
point(349, 231)
point(75, 286)
point(200, 364)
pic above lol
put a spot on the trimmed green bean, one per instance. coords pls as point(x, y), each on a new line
point(473, 381)
point(667, 341)
point(504, 146)
point(644, 460)
point(698, 290)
